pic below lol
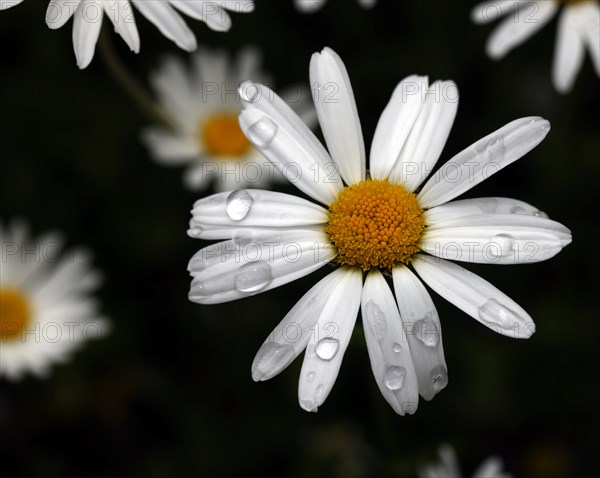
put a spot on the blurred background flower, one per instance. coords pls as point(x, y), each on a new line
point(167, 393)
point(448, 467)
point(310, 6)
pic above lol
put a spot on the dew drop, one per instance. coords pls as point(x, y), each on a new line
point(541, 214)
point(397, 348)
point(249, 91)
point(439, 378)
point(270, 359)
point(319, 392)
point(393, 377)
point(488, 205)
point(500, 245)
point(494, 313)
point(310, 376)
point(376, 319)
point(496, 148)
point(327, 348)
point(518, 210)
point(253, 277)
point(427, 331)
point(263, 132)
point(195, 231)
point(238, 204)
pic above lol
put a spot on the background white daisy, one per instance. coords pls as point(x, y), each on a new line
point(448, 467)
point(46, 309)
point(578, 30)
point(203, 104)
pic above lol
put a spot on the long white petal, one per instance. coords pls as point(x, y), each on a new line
point(474, 206)
point(475, 296)
point(489, 11)
point(423, 331)
point(328, 343)
point(120, 13)
point(13, 3)
point(519, 26)
point(247, 265)
point(428, 136)
point(496, 239)
point(292, 334)
point(58, 12)
point(591, 31)
point(390, 355)
point(482, 159)
point(86, 28)
point(309, 6)
point(395, 124)
point(289, 155)
point(215, 17)
point(219, 216)
point(338, 117)
point(168, 21)
point(569, 53)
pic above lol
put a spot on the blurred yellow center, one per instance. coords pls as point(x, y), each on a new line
point(375, 224)
point(221, 135)
point(14, 313)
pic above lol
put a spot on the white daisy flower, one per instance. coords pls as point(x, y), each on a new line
point(204, 105)
point(310, 6)
point(384, 222)
point(46, 313)
point(578, 27)
point(449, 468)
point(165, 14)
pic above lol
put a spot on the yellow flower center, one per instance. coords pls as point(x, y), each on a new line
point(14, 313)
point(375, 224)
point(221, 135)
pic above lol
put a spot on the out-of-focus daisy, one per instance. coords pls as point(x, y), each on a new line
point(449, 468)
point(578, 27)
point(310, 6)
point(165, 14)
point(203, 105)
point(46, 312)
point(384, 222)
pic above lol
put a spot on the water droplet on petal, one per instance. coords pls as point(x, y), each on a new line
point(238, 204)
point(541, 214)
point(249, 91)
point(439, 378)
point(195, 231)
point(518, 210)
point(488, 204)
point(501, 245)
point(397, 348)
point(310, 376)
point(319, 392)
point(269, 358)
point(263, 132)
point(253, 277)
point(327, 348)
point(309, 405)
point(393, 377)
point(427, 331)
point(493, 312)
point(496, 149)
point(376, 319)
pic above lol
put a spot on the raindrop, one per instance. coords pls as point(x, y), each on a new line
point(493, 312)
point(271, 358)
point(393, 377)
point(496, 149)
point(327, 348)
point(501, 245)
point(376, 319)
point(310, 376)
point(397, 348)
point(518, 210)
point(238, 204)
point(263, 132)
point(427, 331)
point(439, 378)
point(541, 214)
point(253, 277)
point(195, 231)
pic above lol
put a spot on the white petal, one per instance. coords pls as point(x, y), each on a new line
point(470, 207)
point(6, 4)
point(286, 150)
point(121, 15)
point(238, 6)
point(168, 148)
point(170, 24)
point(389, 353)
point(482, 159)
point(423, 331)
point(519, 26)
point(489, 11)
point(309, 6)
point(215, 17)
point(328, 343)
point(367, 3)
point(395, 124)
point(475, 296)
point(491, 468)
point(428, 136)
point(59, 12)
point(86, 28)
point(569, 53)
point(292, 334)
point(225, 214)
point(591, 31)
point(496, 239)
point(245, 266)
point(338, 117)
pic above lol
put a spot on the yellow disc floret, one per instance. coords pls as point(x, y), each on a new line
point(375, 224)
point(14, 313)
point(221, 135)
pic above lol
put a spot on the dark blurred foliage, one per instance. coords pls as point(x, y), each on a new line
point(169, 392)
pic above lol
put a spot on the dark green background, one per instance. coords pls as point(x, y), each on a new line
point(169, 393)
